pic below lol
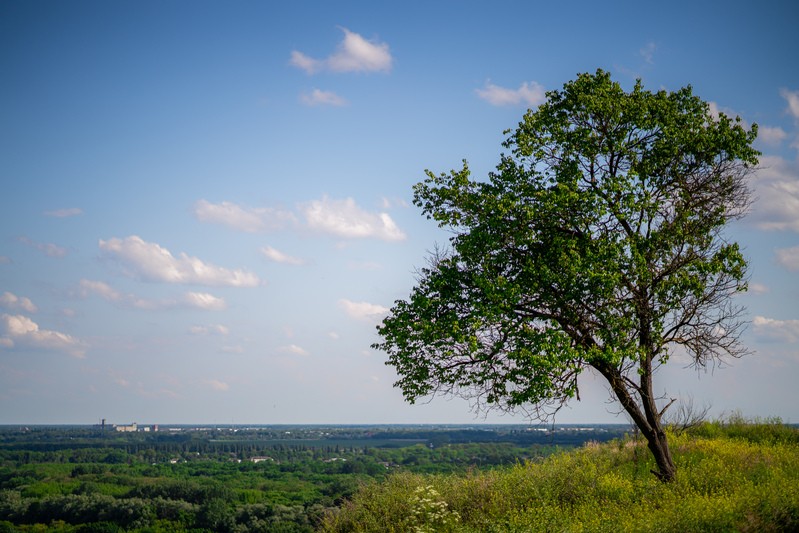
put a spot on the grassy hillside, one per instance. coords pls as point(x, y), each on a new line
point(733, 476)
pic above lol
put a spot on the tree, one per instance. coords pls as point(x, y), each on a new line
point(596, 244)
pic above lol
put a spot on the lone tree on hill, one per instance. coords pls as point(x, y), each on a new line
point(597, 243)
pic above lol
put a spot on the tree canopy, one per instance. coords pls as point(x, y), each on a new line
point(597, 243)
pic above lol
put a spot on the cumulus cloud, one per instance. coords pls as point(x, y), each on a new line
point(213, 329)
point(294, 350)
point(388, 203)
point(776, 330)
point(792, 98)
point(531, 94)
point(48, 249)
point(303, 62)
point(758, 288)
point(19, 330)
point(248, 219)
point(152, 262)
point(108, 293)
point(776, 187)
point(203, 300)
point(100, 288)
point(65, 212)
point(319, 97)
point(772, 136)
point(12, 302)
point(199, 300)
point(716, 110)
point(788, 257)
point(277, 256)
point(362, 310)
point(217, 385)
point(343, 218)
point(354, 54)
point(648, 52)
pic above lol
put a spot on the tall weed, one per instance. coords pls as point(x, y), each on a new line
point(730, 478)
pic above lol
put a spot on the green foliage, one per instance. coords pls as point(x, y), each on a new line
point(597, 242)
point(156, 486)
point(768, 431)
point(725, 483)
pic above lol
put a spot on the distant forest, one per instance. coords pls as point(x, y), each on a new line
point(261, 478)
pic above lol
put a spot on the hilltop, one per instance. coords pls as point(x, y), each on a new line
point(733, 476)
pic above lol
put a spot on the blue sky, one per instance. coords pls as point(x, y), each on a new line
point(206, 206)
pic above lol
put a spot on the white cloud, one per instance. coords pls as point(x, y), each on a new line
point(279, 257)
point(788, 257)
point(362, 310)
point(758, 288)
point(776, 330)
point(13, 302)
point(303, 62)
point(792, 97)
point(198, 300)
point(21, 330)
point(217, 385)
point(66, 212)
point(648, 52)
point(109, 294)
point(772, 136)
point(344, 218)
point(716, 111)
point(529, 93)
point(203, 300)
point(106, 292)
point(319, 97)
point(354, 54)
point(152, 262)
point(294, 350)
point(240, 218)
point(213, 329)
point(388, 203)
point(776, 185)
point(333, 335)
point(49, 249)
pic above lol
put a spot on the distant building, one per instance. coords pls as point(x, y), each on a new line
point(134, 427)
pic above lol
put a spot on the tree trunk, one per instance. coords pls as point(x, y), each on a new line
point(648, 421)
point(659, 446)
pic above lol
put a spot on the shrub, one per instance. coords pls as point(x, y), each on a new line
point(738, 479)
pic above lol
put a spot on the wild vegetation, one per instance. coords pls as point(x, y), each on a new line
point(733, 476)
point(233, 479)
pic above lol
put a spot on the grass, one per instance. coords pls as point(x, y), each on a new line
point(733, 475)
